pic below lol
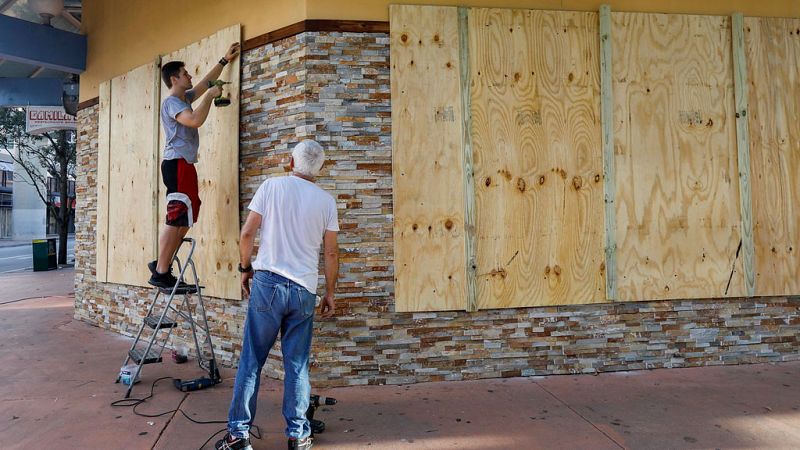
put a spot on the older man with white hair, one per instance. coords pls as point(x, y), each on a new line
point(295, 217)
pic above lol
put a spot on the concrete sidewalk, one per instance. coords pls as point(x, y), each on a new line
point(21, 285)
point(58, 382)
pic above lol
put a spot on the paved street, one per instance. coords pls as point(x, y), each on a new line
point(20, 258)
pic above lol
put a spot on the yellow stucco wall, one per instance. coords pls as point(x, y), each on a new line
point(123, 35)
point(126, 34)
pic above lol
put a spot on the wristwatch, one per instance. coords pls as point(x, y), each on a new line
point(223, 61)
point(245, 270)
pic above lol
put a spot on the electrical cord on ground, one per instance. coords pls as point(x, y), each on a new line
point(135, 402)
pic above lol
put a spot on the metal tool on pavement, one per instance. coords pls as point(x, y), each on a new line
point(161, 318)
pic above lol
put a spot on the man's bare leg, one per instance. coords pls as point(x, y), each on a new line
point(168, 242)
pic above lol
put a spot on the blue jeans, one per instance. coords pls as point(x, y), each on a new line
point(276, 304)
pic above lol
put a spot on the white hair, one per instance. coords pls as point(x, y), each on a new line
point(308, 157)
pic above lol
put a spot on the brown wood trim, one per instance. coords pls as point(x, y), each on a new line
point(342, 26)
point(88, 103)
point(348, 26)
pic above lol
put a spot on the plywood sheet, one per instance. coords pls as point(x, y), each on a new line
point(773, 58)
point(103, 156)
point(538, 158)
point(217, 229)
point(131, 183)
point(678, 219)
point(427, 160)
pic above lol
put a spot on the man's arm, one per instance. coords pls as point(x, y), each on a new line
point(331, 251)
point(246, 240)
point(201, 87)
point(196, 118)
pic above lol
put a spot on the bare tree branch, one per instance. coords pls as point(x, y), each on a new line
point(42, 158)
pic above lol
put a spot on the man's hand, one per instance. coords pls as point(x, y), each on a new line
point(233, 51)
point(215, 91)
point(246, 277)
point(328, 307)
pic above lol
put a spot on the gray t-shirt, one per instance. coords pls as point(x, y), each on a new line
point(181, 141)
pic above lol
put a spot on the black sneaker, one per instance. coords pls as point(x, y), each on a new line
point(152, 266)
point(231, 443)
point(301, 444)
point(163, 280)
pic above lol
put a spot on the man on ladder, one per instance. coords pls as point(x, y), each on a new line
point(295, 217)
point(182, 141)
point(180, 122)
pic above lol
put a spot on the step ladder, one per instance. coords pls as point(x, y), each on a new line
point(161, 319)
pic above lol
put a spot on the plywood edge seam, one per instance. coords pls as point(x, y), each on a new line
point(469, 179)
point(156, 149)
point(609, 176)
point(743, 150)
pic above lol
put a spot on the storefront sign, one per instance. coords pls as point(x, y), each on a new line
point(41, 119)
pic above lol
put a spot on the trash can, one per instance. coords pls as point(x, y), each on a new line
point(44, 254)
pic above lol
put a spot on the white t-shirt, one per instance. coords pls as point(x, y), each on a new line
point(295, 213)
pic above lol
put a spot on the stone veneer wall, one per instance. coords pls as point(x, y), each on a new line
point(334, 87)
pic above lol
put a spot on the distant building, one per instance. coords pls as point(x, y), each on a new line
point(6, 195)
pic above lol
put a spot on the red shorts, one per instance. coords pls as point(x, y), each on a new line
point(183, 201)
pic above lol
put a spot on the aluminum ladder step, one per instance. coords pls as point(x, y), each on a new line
point(152, 322)
point(152, 356)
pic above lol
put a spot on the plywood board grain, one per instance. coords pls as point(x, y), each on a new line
point(538, 157)
point(427, 159)
point(103, 156)
point(773, 57)
point(131, 183)
point(678, 219)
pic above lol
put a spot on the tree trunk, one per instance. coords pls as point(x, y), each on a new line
point(63, 212)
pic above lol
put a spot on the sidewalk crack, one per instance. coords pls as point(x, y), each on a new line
point(581, 416)
point(174, 413)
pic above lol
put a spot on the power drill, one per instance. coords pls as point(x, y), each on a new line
point(317, 426)
point(220, 100)
point(200, 383)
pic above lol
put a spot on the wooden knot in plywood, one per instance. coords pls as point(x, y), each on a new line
point(488, 181)
point(541, 179)
point(506, 174)
point(557, 270)
point(521, 185)
point(448, 224)
point(404, 37)
point(577, 182)
point(499, 272)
